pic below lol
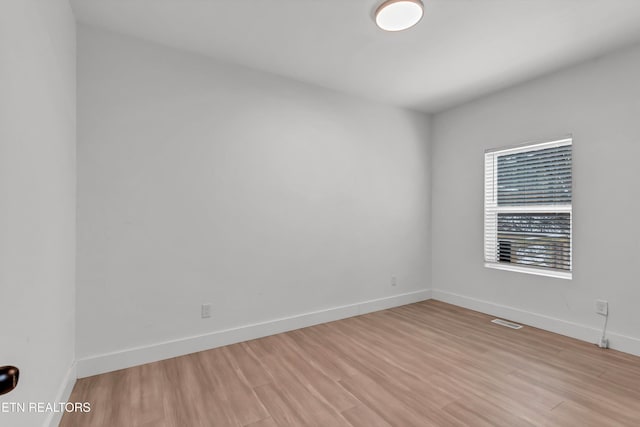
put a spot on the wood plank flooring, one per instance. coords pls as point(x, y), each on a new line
point(423, 364)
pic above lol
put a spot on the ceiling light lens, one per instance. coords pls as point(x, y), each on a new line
point(398, 15)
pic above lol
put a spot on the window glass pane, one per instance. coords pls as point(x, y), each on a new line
point(540, 177)
point(535, 239)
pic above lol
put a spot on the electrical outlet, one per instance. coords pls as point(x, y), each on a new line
point(602, 307)
point(394, 281)
point(205, 311)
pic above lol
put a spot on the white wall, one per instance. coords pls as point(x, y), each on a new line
point(203, 182)
point(599, 103)
point(37, 200)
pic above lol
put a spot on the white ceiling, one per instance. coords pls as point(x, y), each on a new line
point(460, 50)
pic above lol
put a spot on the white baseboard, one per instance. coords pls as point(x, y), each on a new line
point(99, 364)
point(563, 327)
point(66, 387)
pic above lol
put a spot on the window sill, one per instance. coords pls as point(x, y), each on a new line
point(531, 270)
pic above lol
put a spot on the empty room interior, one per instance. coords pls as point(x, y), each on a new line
point(364, 213)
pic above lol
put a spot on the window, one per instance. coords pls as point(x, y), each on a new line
point(527, 208)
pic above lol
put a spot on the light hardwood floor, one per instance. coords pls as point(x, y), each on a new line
point(424, 364)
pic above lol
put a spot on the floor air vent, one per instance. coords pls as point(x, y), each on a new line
point(506, 323)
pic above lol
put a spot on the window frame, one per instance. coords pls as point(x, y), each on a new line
point(531, 208)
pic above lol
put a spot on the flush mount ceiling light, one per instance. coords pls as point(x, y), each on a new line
point(398, 15)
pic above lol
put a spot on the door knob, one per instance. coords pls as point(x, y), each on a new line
point(8, 378)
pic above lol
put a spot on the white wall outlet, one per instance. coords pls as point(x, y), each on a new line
point(602, 307)
point(394, 280)
point(205, 311)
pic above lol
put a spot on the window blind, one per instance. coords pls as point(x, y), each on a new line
point(528, 208)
